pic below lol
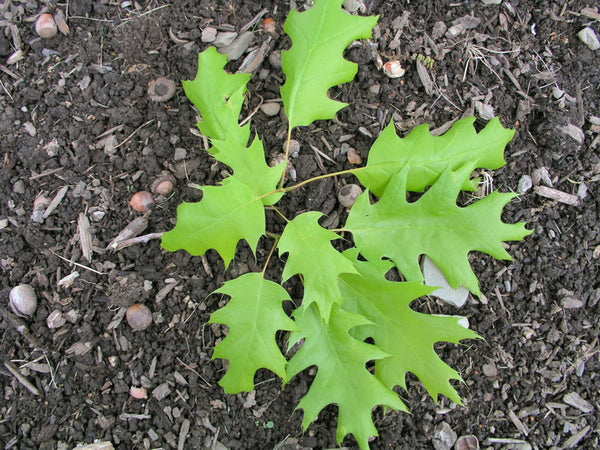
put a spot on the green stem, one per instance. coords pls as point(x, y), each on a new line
point(282, 190)
point(270, 255)
point(288, 141)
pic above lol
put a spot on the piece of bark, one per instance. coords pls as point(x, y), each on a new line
point(559, 196)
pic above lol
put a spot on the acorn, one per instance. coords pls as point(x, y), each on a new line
point(348, 194)
point(393, 69)
point(45, 26)
point(22, 300)
point(142, 201)
point(161, 90)
point(164, 184)
point(138, 317)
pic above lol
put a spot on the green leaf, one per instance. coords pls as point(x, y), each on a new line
point(427, 156)
point(406, 335)
point(312, 255)
point(315, 62)
point(225, 215)
point(250, 168)
point(219, 96)
point(342, 377)
point(435, 226)
point(254, 315)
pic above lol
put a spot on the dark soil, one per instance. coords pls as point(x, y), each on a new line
point(540, 317)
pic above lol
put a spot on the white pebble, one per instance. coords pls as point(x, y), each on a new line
point(270, 108)
point(525, 183)
point(589, 38)
point(22, 300)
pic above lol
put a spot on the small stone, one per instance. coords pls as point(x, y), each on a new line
point(468, 442)
point(434, 277)
point(224, 38)
point(490, 370)
point(582, 191)
point(161, 391)
point(238, 46)
point(180, 154)
point(209, 34)
point(485, 111)
point(589, 38)
point(353, 156)
point(31, 130)
point(444, 437)
point(439, 28)
point(542, 175)
point(354, 6)
point(270, 108)
point(275, 59)
point(22, 300)
point(375, 89)
point(456, 30)
point(575, 400)
point(525, 184)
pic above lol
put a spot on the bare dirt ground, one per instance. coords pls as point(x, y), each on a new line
point(77, 125)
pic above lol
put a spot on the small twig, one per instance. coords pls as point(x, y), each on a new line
point(20, 378)
point(138, 240)
point(255, 19)
point(192, 370)
point(76, 263)
point(133, 133)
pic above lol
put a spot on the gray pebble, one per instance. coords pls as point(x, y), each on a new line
point(161, 391)
point(489, 370)
point(444, 437)
point(224, 39)
point(270, 108)
point(525, 183)
point(209, 34)
point(237, 47)
point(589, 38)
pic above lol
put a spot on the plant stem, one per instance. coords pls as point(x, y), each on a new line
point(310, 180)
point(288, 141)
point(270, 255)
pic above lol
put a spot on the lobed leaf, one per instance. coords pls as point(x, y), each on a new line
point(254, 315)
point(219, 96)
point(406, 335)
point(427, 156)
point(315, 63)
point(250, 168)
point(435, 226)
point(225, 215)
point(310, 253)
point(342, 377)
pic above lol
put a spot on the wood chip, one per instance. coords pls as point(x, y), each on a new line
point(517, 423)
point(574, 440)
point(85, 236)
point(183, 432)
point(161, 295)
point(424, 77)
point(133, 229)
point(56, 201)
point(575, 400)
point(559, 196)
point(20, 378)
